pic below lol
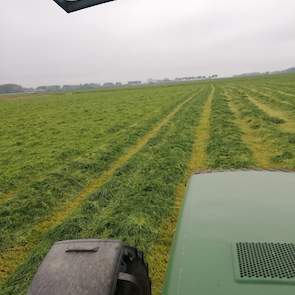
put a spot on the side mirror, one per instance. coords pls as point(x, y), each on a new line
point(74, 5)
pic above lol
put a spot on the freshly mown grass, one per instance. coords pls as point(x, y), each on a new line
point(13, 256)
point(82, 135)
point(275, 99)
point(226, 148)
point(46, 132)
point(267, 129)
point(279, 90)
point(53, 147)
point(158, 254)
point(134, 202)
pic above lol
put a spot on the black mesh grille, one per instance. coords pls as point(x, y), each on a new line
point(265, 261)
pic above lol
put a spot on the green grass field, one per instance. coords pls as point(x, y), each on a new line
point(114, 163)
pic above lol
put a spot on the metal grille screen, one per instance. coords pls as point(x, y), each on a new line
point(266, 261)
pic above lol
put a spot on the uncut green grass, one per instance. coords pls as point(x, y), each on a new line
point(135, 201)
point(53, 145)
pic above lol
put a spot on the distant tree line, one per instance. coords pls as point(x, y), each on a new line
point(287, 71)
point(13, 88)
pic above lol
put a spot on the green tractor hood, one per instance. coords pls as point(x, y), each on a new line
point(236, 236)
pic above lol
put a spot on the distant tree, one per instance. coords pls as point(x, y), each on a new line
point(290, 70)
point(11, 88)
point(50, 88)
point(108, 84)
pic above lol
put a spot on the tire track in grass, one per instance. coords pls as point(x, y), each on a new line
point(198, 162)
point(11, 258)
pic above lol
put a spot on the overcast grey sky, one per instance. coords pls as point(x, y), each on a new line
point(141, 39)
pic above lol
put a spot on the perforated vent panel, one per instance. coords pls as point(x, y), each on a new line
point(266, 261)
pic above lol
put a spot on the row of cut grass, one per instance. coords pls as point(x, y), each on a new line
point(275, 99)
point(226, 148)
point(159, 252)
point(285, 118)
point(260, 152)
point(267, 128)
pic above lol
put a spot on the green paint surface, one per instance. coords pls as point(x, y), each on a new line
point(223, 208)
